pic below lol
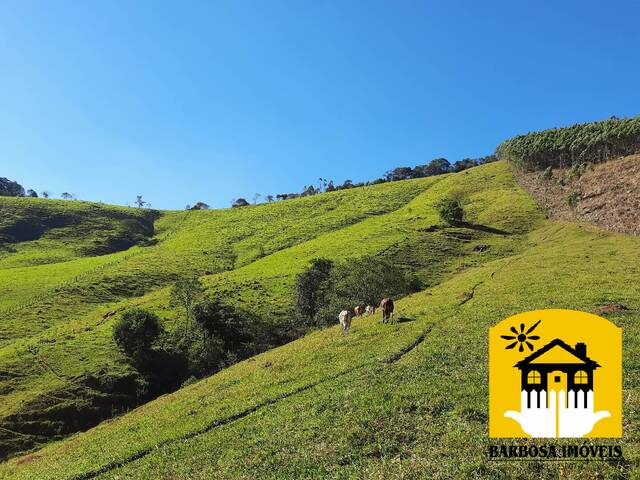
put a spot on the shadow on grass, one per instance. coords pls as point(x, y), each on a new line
point(481, 228)
point(404, 320)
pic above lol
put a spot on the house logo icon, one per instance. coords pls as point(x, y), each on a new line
point(555, 373)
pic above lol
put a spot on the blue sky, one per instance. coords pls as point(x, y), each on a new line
point(187, 101)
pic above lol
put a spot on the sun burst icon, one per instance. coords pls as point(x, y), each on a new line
point(522, 338)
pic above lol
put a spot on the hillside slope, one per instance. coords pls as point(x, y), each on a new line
point(60, 370)
point(386, 401)
point(407, 400)
point(606, 195)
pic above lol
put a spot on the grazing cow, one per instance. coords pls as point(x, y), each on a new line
point(345, 320)
point(387, 310)
point(370, 310)
point(358, 311)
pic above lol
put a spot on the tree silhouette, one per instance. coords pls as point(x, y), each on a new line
point(139, 201)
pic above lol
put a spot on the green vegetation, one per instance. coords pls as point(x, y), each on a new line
point(578, 144)
point(327, 287)
point(37, 231)
point(451, 210)
point(61, 369)
point(10, 188)
point(367, 405)
point(59, 345)
point(311, 287)
point(572, 199)
point(405, 400)
point(136, 331)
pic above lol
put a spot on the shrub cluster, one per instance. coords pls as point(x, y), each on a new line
point(326, 287)
point(210, 335)
point(450, 210)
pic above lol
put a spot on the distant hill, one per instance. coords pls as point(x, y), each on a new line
point(56, 323)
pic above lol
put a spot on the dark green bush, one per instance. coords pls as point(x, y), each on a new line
point(136, 331)
point(547, 174)
point(450, 210)
point(311, 287)
point(220, 321)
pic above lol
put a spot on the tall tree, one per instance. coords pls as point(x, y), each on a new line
point(10, 188)
point(437, 166)
point(399, 173)
point(199, 206)
point(186, 293)
point(311, 286)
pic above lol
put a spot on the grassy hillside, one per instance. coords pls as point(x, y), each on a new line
point(36, 231)
point(400, 401)
point(59, 369)
point(386, 401)
point(61, 365)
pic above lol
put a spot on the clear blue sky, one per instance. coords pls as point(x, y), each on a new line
point(185, 101)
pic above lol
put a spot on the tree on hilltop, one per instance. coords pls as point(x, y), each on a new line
point(140, 202)
point(10, 188)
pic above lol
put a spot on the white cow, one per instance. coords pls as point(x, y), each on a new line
point(345, 320)
point(369, 310)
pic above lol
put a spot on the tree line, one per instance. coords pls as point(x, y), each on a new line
point(10, 188)
point(592, 142)
point(437, 166)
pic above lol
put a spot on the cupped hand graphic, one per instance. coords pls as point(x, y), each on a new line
point(576, 419)
point(537, 421)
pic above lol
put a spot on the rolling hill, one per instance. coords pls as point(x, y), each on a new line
point(407, 400)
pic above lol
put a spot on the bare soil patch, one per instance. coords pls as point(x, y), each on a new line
point(607, 195)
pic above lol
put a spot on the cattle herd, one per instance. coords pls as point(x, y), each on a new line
point(386, 305)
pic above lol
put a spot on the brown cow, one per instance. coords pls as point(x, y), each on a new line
point(386, 305)
point(358, 311)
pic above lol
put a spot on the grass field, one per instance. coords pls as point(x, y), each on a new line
point(57, 359)
point(339, 406)
point(407, 400)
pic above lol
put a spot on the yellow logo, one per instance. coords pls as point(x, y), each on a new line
point(555, 373)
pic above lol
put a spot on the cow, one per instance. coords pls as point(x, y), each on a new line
point(386, 305)
point(345, 320)
point(358, 311)
point(370, 310)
